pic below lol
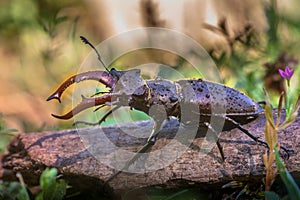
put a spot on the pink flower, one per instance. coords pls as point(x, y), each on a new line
point(287, 73)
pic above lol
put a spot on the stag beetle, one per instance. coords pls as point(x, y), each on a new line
point(129, 89)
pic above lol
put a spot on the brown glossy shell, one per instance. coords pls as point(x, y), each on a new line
point(211, 96)
point(195, 97)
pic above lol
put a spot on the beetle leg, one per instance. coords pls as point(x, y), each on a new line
point(150, 142)
point(255, 138)
point(216, 138)
point(100, 121)
point(237, 125)
point(261, 102)
point(101, 76)
point(97, 93)
point(84, 104)
point(99, 107)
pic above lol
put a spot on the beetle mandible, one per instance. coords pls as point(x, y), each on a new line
point(144, 94)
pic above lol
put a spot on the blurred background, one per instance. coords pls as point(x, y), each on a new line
point(40, 46)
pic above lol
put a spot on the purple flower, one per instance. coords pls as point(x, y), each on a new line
point(287, 73)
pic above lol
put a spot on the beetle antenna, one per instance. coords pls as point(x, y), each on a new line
point(84, 40)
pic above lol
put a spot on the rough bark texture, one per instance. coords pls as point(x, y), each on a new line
point(30, 153)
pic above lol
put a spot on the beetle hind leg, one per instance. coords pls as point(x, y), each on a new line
point(239, 126)
point(255, 138)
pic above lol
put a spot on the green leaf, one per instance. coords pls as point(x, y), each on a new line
point(52, 189)
point(272, 195)
point(23, 194)
point(8, 131)
point(289, 182)
point(292, 115)
point(176, 194)
point(48, 181)
point(39, 196)
point(9, 190)
point(13, 190)
point(60, 190)
point(59, 20)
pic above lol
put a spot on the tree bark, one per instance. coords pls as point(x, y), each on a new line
point(81, 157)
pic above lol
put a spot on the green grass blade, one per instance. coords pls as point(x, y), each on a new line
point(289, 182)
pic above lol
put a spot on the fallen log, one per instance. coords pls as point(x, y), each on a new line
point(76, 155)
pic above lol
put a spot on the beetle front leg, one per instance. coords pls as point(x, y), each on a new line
point(84, 104)
point(150, 142)
point(100, 121)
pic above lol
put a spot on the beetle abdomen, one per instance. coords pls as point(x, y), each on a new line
point(213, 98)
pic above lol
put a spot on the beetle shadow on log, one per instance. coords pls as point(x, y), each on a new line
point(40, 141)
